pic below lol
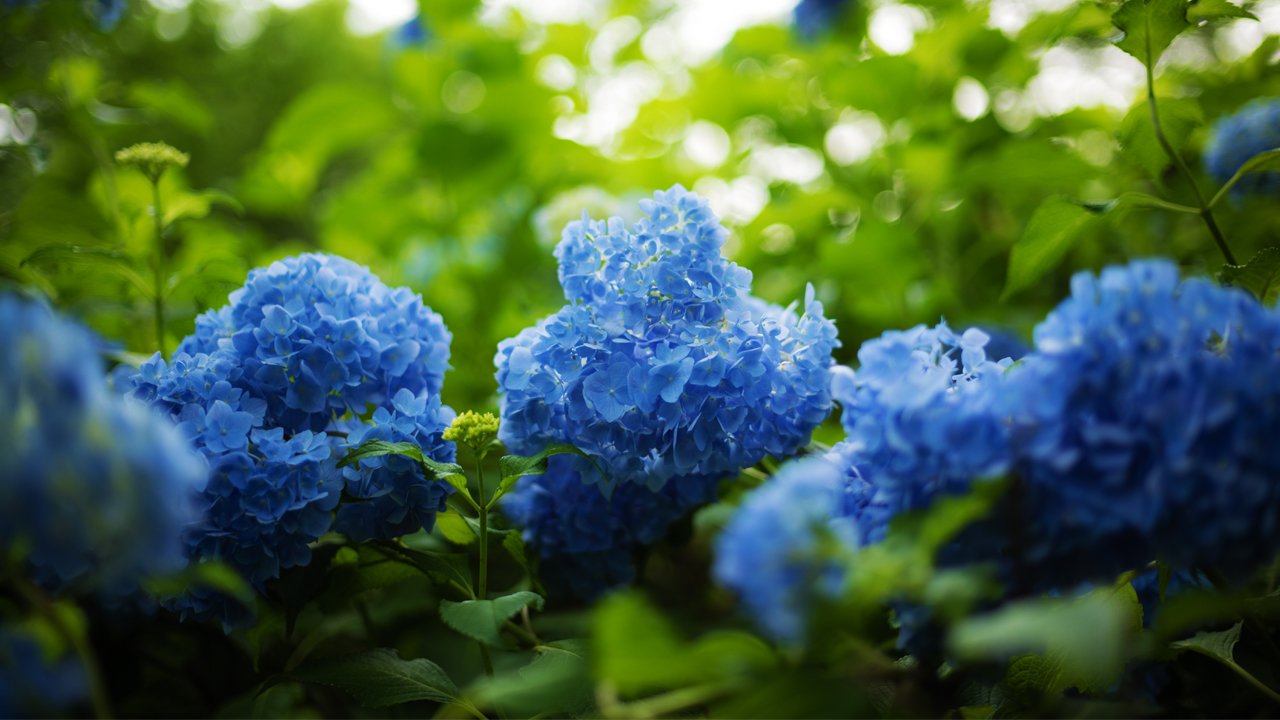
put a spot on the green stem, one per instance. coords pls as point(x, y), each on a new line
point(483, 581)
point(666, 703)
point(527, 637)
point(1205, 212)
point(93, 669)
point(158, 296)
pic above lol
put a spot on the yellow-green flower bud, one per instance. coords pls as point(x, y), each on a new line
point(472, 428)
point(152, 158)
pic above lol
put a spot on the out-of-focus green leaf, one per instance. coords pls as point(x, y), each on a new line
point(1149, 27)
point(301, 584)
point(370, 569)
point(378, 678)
point(1053, 229)
point(1208, 10)
point(1178, 117)
point(1259, 275)
point(483, 619)
point(445, 568)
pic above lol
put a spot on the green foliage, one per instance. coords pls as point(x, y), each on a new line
point(1258, 275)
point(1053, 229)
point(1178, 117)
point(515, 467)
point(1149, 27)
point(483, 619)
point(378, 678)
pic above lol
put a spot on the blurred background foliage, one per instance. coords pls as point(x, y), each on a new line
point(889, 153)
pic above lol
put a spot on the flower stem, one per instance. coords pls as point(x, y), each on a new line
point(1205, 212)
point(482, 507)
point(158, 296)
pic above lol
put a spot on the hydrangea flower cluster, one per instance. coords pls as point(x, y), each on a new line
point(661, 365)
point(312, 356)
point(1143, 426)
point(780, 552)
point(1234, 138)
point(98, 487)
point(585, 541)
point(923, 418)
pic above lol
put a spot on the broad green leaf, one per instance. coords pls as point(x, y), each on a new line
point(483, 619)
point(270, 621)
point(1217, 645)
point(1185, 610)
point(513, 543)
point(638, 649)
point(195, 205)
point(1259, 276)
point(1149, 27)
point(1052, 230)
point(557, 679)
point(1082, 643)
point(445, 568)
point(1268, 161)
point(449, 472)
point(372, 570)
point(1206, 10)
point(1138, 141)
point(515, 467)
point(378, 678)
point(455, 528)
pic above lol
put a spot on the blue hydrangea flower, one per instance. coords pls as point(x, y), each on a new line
point(97, 486)
point(1234, 138)
point(923, 416)
point(30, 686)
point(312, 356)
point(661, 365)
point(413, 33)
point(585, 541)
point(1143, 426)
point(781, 550)
point(814, 16)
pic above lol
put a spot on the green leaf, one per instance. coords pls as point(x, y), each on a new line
point(1165, 574)
point(378, 678)
point(101, 258)
point(455, 528)
point(444, 568)
point(514, 545)
point(1053, 229)
point(1083, 643)
point(1149, 27)
point(270, 621)
point(1258, 276)
point(1138, 141)
point(483, 619)
point(449, 472)
point(556, 682)
point(1207, 10)
point(372, 570)
point(1217, 645)
point(515, 467)
point(1262, 162)
point(197, 205)
point(1137, 200)
point(639, 650)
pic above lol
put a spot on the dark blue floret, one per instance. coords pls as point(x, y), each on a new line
point(314, 355)
point(1234, 138)
point(585, 541)
point(661, 365)
point(96, 486)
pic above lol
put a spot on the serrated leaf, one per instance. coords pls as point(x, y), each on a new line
point(1138, 141)
point(515, 467)
point(483, 619)
point(444, 568)
point(377, 448)
point(1217, 645)
point(560, 653)
point(1052, 230)
point(1149, 27)
point(372, 570)
point(1208, 10)
point(1260, 276)
point(378, 678)
point(556, 682)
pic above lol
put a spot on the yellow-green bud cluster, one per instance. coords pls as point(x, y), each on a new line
point(152, 158)
point(472, 428)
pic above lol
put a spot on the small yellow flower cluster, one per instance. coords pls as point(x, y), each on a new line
point(152, 158)
point(472, 428)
